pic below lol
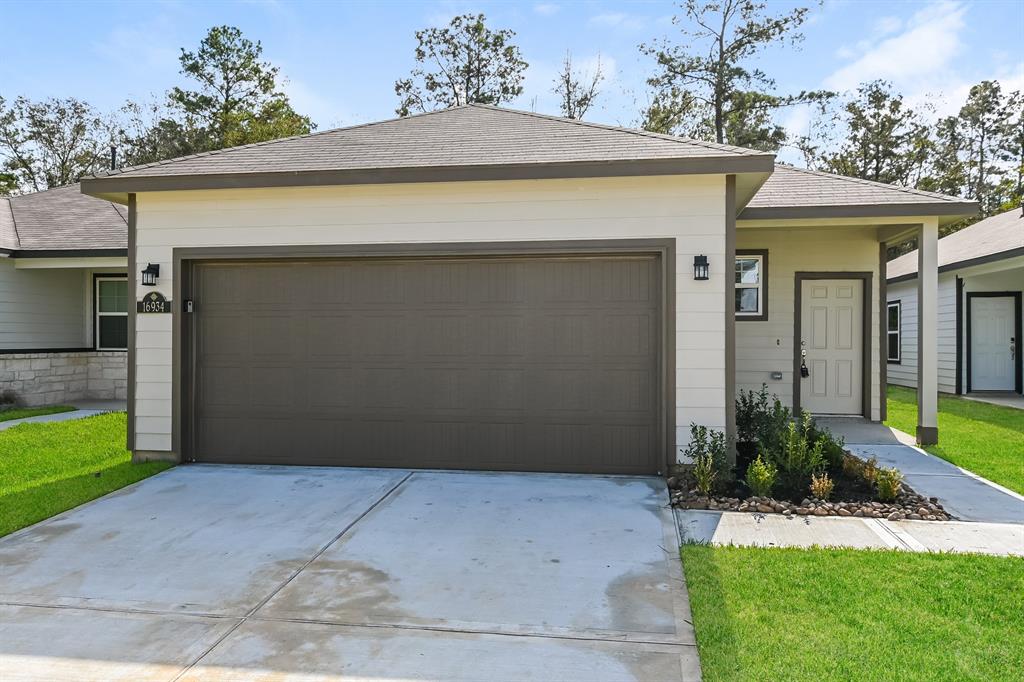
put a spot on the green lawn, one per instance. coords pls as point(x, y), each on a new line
point(986, 439)
point(48, 468)
point(829, 614)
point(22, 412)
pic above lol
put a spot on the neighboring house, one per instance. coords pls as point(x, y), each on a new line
point(63, 297)
point(981, 280)
point(492, 289)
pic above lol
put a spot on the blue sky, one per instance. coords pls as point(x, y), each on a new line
point(342, 58)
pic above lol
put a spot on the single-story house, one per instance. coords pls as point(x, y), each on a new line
point(63, 297)
point(493, 289)
point(981, 280)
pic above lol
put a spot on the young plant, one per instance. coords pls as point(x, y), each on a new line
point(869, 471)
point(705, 474)
point(888, 483)
point(761, 477)
point(798, 457)
point(821, 486)
point(853, 467)
point(761, 418)
point(707, 451)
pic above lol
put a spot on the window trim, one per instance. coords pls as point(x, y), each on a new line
point(762, 286)
point(898, 304)
point(96, 279)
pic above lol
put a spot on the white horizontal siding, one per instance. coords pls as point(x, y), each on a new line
point(42, 308)
point(690, 209)
point(766, 346)
point(905, 373)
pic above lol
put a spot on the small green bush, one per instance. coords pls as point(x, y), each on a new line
point(705, 474)
point(761, 418)
point(822, 486)
point(798, 457)
point(869, 471)
point(761, 477)
point(888, 483)
point(708, 452)
point(834, 448)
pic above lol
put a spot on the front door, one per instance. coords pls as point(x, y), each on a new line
point(832, 344)
point(992, 343)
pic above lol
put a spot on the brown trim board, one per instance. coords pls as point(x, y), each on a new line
point(731, 305)
point(883, 336)
point(960, 265)
point(933, 208)
point(959, 382)
point(865, 278)
point(133, 214)
point(1018, 325)
point(183, 360)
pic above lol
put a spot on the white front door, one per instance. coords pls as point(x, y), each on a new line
point(992, 338)
point(832, 338)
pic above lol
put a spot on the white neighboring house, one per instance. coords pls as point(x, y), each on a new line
point(981, 280)
point(63, 297)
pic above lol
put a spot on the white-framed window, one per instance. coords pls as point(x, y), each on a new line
point(751, 285)
point(892, 330)
point(111, 308)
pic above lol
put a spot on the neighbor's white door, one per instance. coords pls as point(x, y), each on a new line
point(991, 334)
point(832, 331)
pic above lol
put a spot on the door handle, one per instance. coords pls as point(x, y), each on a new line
point(804, 372)
point(1013, 348)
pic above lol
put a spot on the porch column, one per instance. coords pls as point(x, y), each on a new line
point(927, 331)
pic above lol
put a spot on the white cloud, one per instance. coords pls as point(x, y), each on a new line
point(886, 25)
point(928, 44)
point(618, 20)
point(546, 9)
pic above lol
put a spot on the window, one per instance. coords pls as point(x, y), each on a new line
point(111, 313)
point(892, 328)
point(751, 285)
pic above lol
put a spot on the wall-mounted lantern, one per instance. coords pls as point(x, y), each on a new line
point(701, 269)
point(150, 274)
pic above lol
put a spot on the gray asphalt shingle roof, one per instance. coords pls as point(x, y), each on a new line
point(469, 135)
point(799, 187)
point(62, 219)
point(998, 234)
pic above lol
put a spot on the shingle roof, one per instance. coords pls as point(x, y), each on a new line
point(468, 135)
point(8, 233)
point(998, 234)
point(791, 188)
point(62, 219)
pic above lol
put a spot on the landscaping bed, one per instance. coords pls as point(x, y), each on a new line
point(787, 465)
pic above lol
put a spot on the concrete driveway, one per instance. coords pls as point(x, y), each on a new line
point(294, 573)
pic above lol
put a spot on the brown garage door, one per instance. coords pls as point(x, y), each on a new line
point(529, 364)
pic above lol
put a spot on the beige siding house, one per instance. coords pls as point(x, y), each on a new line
point(493, 289)
point(63, 297)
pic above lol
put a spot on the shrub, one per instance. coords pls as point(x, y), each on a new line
point(798, 457)
point(853, 467)
point(705, 474)
point(821, 486)
point(761, 477)
point(761, 417)
point(888, 482)
point(869, 471)
point(834, 448)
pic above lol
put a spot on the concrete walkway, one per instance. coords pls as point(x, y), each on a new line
point(1014, 400)
point(776, 530)
point(83, 409)
point(965, 495)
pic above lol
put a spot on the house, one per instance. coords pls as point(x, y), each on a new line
point(63, 297)
point(494, 289)
point(981, 279)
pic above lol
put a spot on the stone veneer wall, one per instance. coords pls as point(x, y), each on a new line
point(53, 378)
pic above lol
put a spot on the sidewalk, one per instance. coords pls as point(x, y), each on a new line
point(965, 495)
point(776, 530)
point(84, 409)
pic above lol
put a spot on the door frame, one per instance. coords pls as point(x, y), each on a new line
point(184, 334)
point(865, 278)
point(1018, 366)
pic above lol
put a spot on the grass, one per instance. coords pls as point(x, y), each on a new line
point(48, 468)
point(983, 438)
point(22, 412)
point(830, 614)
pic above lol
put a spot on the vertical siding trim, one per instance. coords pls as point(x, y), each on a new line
point(730, 314)
point(132, 298)
point(958, 363)
point(883, 334)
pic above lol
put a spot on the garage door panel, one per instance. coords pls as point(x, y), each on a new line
point(542, 364)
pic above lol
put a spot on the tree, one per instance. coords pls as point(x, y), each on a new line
point(885, 140)
point(711, 67)
point(151, 132)
point(238, 100)
point(577, 90)
point(50, 143)
point(467, 63)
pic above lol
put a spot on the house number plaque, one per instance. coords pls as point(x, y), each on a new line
point(153, 302)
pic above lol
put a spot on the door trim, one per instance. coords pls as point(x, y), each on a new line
point(865, 279)
point(1018, 365)
point(183, 356)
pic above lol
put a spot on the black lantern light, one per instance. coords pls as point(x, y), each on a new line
point(150, 274)
point(701, 269)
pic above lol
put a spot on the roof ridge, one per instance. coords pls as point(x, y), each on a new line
point(745, 151)
point(873, 183)
point(214, 152)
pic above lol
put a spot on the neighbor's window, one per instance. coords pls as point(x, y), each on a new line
point(750, 275)
point(111, 313)
point(893, 330)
